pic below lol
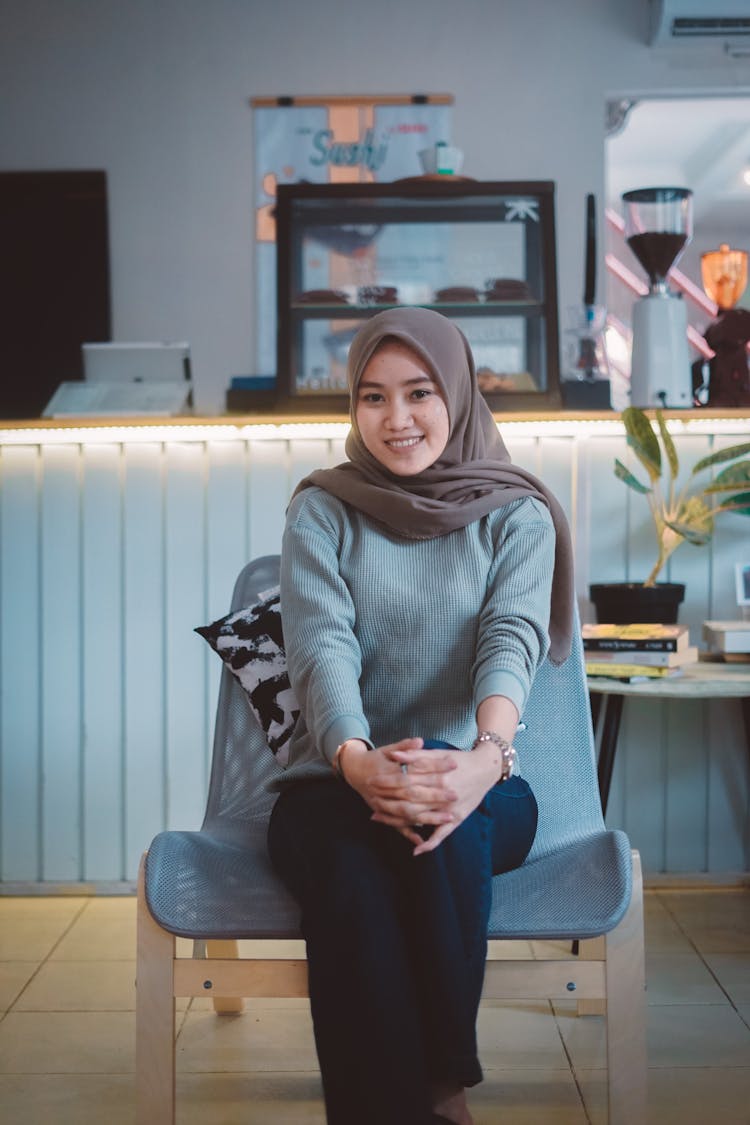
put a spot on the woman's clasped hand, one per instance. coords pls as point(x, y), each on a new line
point(438, 788)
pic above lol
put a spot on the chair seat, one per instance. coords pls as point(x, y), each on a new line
point(200, 886)
point(580, 891)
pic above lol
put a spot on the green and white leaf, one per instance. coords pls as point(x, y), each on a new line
point(688, 533)
point(642, 440)
point(669, 447)
point(624, 474)
point(730, 486)
point(721, 456)
point(740, 504)
point(735, 474)
point(731, 478)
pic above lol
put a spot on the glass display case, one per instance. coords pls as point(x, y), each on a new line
point(481, 253)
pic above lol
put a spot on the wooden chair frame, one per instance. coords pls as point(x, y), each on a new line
point(607, 977)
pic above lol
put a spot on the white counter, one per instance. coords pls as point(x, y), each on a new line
point(117, 539)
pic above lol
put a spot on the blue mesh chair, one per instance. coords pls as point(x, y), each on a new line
point(580, 883)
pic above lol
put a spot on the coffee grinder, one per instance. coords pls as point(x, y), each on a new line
point(658, 226)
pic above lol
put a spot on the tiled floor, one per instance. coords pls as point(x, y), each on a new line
point(66, 1030)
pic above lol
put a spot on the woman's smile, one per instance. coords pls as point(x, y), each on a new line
point(405, 443)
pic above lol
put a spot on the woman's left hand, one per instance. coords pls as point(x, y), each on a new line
point(473, 776)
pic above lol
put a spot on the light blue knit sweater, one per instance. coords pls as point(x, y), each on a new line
point(391, 638)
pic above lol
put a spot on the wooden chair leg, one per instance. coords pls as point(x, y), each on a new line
point(626, 1012)
point(225, 1005)
point(592, 949)
point(154, 1018)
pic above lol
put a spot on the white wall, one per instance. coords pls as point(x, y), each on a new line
point(156, 92)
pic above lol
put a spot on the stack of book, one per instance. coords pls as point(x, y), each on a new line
point(632, 653)
point(729, 640)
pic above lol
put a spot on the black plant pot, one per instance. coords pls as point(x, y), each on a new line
point(626, 603)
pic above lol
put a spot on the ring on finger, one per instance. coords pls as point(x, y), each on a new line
point(404, 767)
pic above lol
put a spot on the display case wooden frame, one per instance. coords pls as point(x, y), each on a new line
point(346, 211)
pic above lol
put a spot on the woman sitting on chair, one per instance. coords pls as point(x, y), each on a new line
point(416, 584)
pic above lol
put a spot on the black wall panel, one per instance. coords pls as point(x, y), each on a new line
point(54, 282)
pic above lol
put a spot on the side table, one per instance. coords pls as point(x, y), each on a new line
point(704, 680)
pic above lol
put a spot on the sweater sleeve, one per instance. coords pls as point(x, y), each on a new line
point(513, 635)
point(323, 653)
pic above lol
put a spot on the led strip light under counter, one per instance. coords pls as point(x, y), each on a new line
point(82, 431)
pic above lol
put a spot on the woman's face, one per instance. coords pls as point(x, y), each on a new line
point(400, 411)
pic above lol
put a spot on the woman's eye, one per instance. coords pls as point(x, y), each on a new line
point(371, 396)
point(421, 392)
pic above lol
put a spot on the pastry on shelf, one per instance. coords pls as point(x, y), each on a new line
point(322, 297)
point(457, 294)
point(377, 295)
point(488, 380)
point(507, 289)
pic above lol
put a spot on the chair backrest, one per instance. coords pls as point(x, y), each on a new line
point(556, 750)
point(557, 755)
point(242, 763)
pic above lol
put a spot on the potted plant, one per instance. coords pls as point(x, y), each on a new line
point(680, 516)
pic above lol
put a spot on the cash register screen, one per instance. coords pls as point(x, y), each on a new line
point(136, 363)
point(127, 379)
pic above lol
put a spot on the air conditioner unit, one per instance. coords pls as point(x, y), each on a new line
point(690, 21)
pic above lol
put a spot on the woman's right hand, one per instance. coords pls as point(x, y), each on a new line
point(401, 800)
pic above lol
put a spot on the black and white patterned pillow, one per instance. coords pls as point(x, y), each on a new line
point(251, 644)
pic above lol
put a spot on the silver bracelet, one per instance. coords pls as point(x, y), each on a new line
point(336, 759)
point(507, 751)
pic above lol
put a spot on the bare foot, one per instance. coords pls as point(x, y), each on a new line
point(450, 1103)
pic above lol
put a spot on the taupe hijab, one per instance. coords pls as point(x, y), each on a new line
point(474, 474)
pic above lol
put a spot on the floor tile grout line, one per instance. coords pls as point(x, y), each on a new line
point(43, 961)
point(571, 1066)
point(691, 1066)
point(682, 929)
point(720, 985)
point(702, 959)
point(67, 929)
point(180, 1017)
point(21, 991)
point(697, 953)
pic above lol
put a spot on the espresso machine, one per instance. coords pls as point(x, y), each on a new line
point(658, 227)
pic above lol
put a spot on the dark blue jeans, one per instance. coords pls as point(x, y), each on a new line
point(396, 946)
